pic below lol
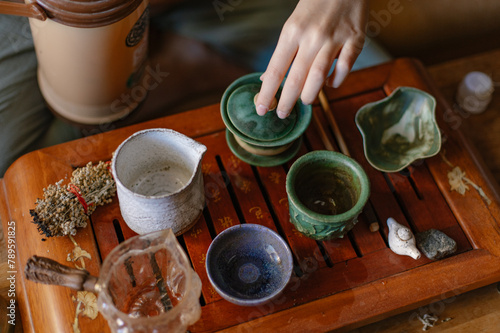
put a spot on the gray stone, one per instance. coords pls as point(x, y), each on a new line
point(435, 244)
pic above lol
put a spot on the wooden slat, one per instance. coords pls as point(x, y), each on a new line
point(422, 199)
point(246, 189)
point(197, 241)
point(126, 231)
point(109, 221)
point(366, 240)
point(339, 249)
point(318, 132)
point(105, 233)
point(218, 199)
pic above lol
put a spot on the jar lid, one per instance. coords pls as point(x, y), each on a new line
point(88, 13)
point(243, 115)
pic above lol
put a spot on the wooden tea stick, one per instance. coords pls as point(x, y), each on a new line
point(323, 100)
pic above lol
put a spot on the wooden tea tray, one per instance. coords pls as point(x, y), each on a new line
point(337, 284)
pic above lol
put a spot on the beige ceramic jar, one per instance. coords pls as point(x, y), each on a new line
point(92, 57)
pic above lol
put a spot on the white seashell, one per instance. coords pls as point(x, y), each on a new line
point(401, 239)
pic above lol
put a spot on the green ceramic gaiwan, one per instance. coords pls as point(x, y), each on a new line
point(326, 192)
point(261, 140)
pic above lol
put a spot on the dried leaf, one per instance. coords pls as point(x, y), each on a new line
point(456, 180)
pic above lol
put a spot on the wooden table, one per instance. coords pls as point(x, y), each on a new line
point(341, 284)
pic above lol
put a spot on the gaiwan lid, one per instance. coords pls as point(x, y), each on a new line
point(242, 113)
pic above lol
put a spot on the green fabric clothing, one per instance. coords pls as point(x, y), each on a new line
point(25, 122)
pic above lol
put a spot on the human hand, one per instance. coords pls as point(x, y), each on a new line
point(317, 32)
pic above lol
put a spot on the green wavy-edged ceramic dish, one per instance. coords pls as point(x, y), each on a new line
point(399, 129)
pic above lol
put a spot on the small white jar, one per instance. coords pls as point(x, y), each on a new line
point(475, 92)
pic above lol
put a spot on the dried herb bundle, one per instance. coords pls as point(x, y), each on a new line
point(65, 208)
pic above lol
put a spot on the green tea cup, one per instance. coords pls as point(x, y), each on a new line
point(326, 192)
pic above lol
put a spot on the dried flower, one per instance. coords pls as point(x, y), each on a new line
point(78, 254)
point(89, 301)
point(66, 208)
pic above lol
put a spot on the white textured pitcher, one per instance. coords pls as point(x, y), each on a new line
point(159, 180)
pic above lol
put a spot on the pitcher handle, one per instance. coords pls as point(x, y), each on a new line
point(47, 271)
point(32, 10)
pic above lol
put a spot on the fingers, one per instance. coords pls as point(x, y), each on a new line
point(318, 73)
point(317, 32)
point(275, 72)
point(302, 61)
point(348, 55)
point(307, 76)
point(295, 81)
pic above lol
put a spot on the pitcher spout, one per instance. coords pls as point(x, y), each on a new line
point(200, 149)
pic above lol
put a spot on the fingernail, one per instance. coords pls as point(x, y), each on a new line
point(262, 110)
point(282, 114)
point(340, 74)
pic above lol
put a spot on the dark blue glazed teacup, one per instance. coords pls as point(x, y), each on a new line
point(249, 264)
point(326, 193)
